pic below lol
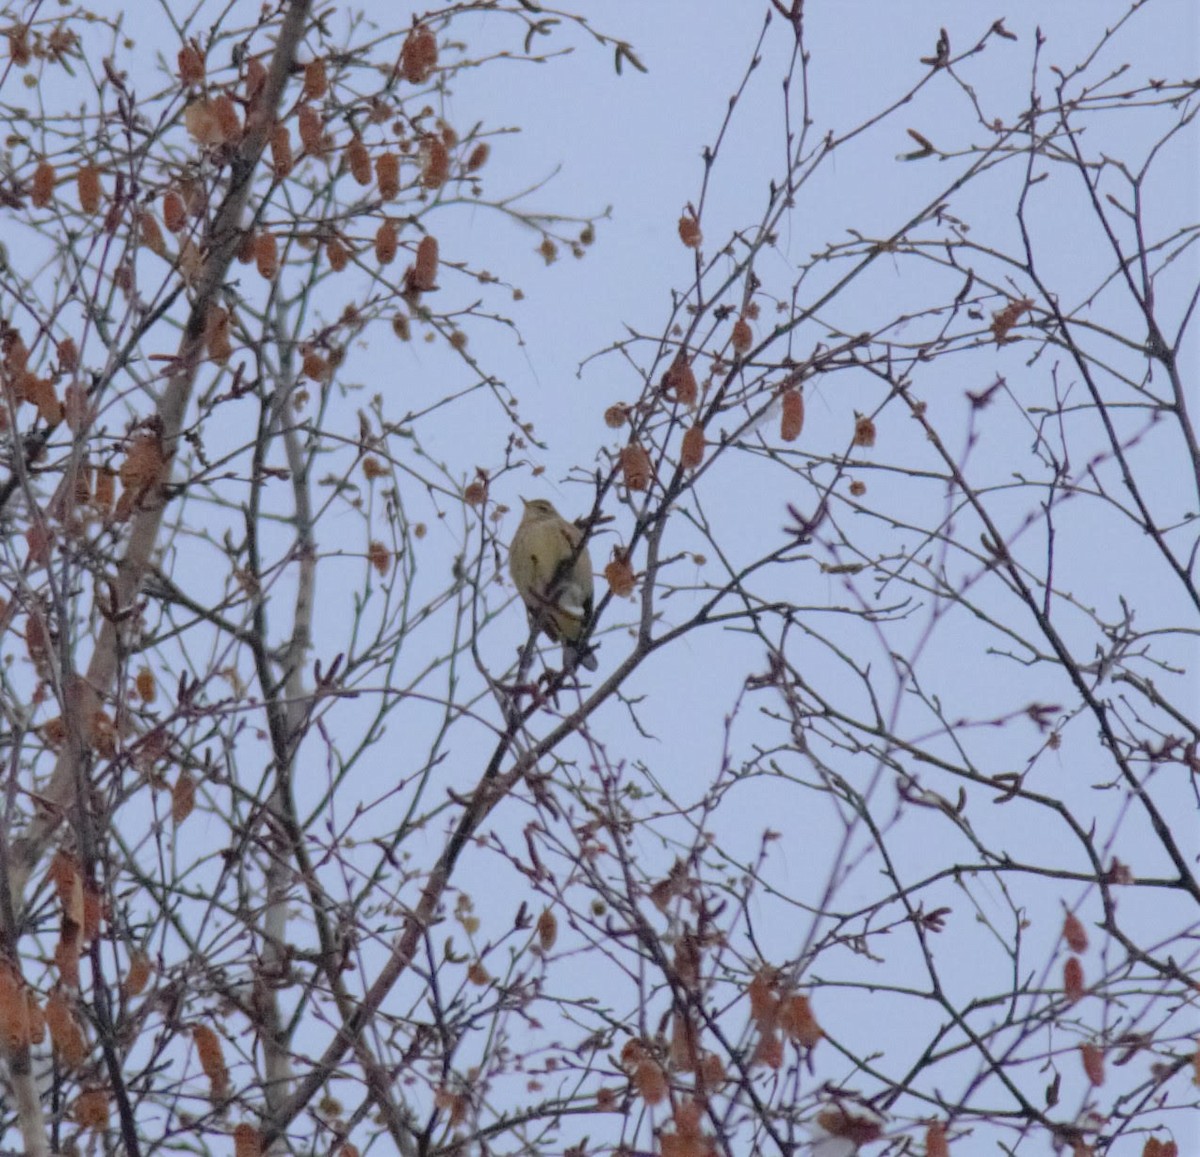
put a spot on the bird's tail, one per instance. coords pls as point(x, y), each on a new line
point(575, 655)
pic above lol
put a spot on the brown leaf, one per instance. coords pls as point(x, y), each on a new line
point(689, 231)
point(138, 974)
point(91, 1109)
point(798, 1023)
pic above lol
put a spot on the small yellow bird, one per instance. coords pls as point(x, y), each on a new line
point(553, 576)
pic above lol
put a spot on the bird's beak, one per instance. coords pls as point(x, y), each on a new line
point(524, 501)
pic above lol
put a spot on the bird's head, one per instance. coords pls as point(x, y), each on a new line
point(538, 509)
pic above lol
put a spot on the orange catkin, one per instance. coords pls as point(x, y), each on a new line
point(379, 557)
point(42, 189)
point(358, 160)
point(547, 930)
point(256, 79)
point(212, 1061)
point(173, 210)
point(424, 274)
point(312, 129)
point(87, 181)
point(247, 1141)
point(183, 798)
point(316, 82)
point(281, 151)
point(338, 255)
point(1074, 933)
point(151, 234)
point(266, 255)
point(864, 431)
point(692, 452)
point(386, 243)
point(791, 419)
point(1092, 1056)
point(191, 64)
point(437, 164)
point(1073, 980)
point(478, 157)
point(418, 57)
point(936, 1144)
point(225, 113)
point(636, 467)
point(680, 380)
point(387, 175)
point(650, 1081)
point(689, 231)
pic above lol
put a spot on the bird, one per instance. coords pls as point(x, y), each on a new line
point(552, 571)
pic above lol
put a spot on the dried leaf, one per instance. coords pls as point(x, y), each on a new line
point(798, 1023)
point(138, 974)
point(650, 1082)
point(191, 64)
point(91, 1109)
point(689, 231)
